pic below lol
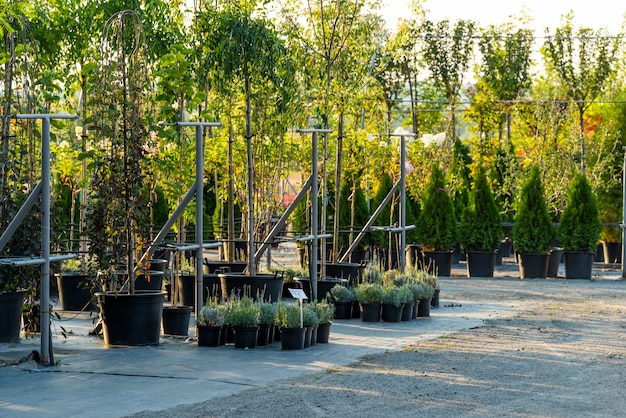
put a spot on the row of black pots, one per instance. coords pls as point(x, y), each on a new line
point(375, 312)
point(252, 337)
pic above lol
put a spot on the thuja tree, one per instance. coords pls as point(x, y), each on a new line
point(583, 61)
point(480, 227)
point(117, 224)
point(437, 223)
point(533, 231)
point(580, 225)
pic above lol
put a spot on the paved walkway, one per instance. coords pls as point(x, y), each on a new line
point(91, 379)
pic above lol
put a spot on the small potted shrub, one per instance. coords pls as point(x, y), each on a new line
point(533, 231)
point(392, 304)
point(209, 325)
point(579, 229)
point(326, 313)
point(343, 298)
point(310, 321)
point(370, 298)
point(291, 332)
point(267, 317)
point(436, 228)
point(407, 302)
point(243, 315)
point(480, 231)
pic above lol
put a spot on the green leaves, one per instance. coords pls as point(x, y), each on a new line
point(580, 225)
point(533, 231)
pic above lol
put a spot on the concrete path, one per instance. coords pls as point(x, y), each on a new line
point(92, 380)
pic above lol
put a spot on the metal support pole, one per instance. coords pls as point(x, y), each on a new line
point(46, 340)
point(314, 217)
point(370, 221)
point(199, 206)
point(33, 197)
point(623, 226)
point(314, 207)
point(45, 241)
point(283, 219)
point(402, 249)
point(199, 217)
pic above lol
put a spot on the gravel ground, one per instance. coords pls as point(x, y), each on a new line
point(561, 356)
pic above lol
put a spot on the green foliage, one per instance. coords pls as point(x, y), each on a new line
point(352, 197)
point(392, 295)
point(533, 231)
point(117, 212)
point(267, 312)
point(310, 317)
point(211, 316)
point(243, 312)
point(372, 273)
point(436, 227)
point(341, 293)
point(288, 316)
point(481, 223)
point(385, 217)
point(579, 229)
point(325, 311)
point(369, 293)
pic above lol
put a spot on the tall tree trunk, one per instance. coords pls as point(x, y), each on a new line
point(338, 157)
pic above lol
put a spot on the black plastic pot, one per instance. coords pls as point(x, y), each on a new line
point(370, 312)
point(292, 338)
point(74, 292)
point(208, 336)
point(176, 320)
point(423, 308)
point(268, 285)
point(245, 337)
point(578, 264)
point(153, 280)
point(343, 310)
point(133, 320)
point(481, 263)
point(533, 266)
point(186, 284)
point(323, 333)
point(438, 263)
point(11, 315)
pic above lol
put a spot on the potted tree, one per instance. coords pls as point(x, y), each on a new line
point(579, 229)
point(436, 228)
point(480, 231)
point(533, 231)
point(117, 212)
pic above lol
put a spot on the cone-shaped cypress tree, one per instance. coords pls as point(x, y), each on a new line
point(481, 222)
point(533, 231)
point(436, 228)
point(580, 223)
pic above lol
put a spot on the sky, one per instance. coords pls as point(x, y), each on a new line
point(593, 14)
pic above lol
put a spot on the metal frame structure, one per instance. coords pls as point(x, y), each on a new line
point(41, 190)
